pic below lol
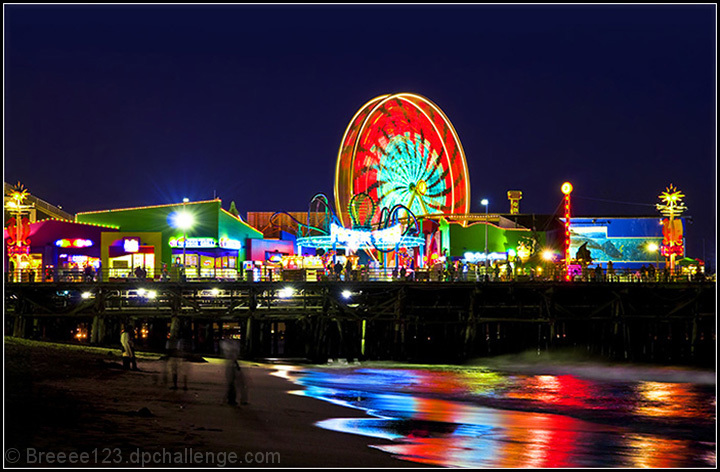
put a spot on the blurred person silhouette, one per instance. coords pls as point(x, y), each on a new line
point(178, 348)
point(234, 374)
point(89, 273)
point(127, 340)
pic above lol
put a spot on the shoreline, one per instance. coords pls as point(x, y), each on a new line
point(65, 399)
point(75, 406)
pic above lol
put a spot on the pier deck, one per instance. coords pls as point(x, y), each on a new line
point(386, 320)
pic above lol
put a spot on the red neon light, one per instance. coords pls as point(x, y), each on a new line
point(567, 189)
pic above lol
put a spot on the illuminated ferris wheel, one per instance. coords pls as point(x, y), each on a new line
point(401, 149)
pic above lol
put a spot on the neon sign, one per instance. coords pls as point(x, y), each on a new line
point(193, 242)
point(356, 238)
point(475, 257)
point(205, 243)
point(566, 189)
point(227, 243)
point(14, 250)
point(73, 243)
point(131, 244)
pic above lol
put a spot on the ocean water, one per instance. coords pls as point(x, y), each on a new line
point(524, 415)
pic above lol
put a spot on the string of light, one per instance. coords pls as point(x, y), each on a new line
point(613, 201)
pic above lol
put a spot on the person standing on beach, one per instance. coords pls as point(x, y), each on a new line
point(128, 355)
point(233, 373)
point(177, 358)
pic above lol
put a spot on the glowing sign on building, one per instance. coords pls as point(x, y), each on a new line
point(227, 243)
point(475, 257)
point(73, 243)
point(195, 243)
point(356, 238)
point(205, 243)
point(131, 244)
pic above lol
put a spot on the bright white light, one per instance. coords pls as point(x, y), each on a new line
point(484, 201)
point(86, 295)
point(152, 294)
point(286, 292)
point(215, 292)
point(183, 220)
point(652, 247)
point(186, 199)
point(346, 293)
point(547, 255)
point(141, 292)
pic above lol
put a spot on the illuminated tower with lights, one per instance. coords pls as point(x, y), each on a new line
point(672, 207)
point(566, 189)
point(18, 228)
point(514, 196)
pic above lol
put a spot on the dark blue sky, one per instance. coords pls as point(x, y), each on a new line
point(116, 106)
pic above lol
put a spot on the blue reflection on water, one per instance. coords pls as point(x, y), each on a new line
point(476, 417)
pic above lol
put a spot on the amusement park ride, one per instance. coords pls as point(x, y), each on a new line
point(400, 163)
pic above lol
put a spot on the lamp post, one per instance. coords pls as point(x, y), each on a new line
point(184, 220)
point(548, 256)
point(652, 247)
point(485, 202)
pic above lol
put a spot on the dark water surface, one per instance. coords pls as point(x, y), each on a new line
point(514, 416)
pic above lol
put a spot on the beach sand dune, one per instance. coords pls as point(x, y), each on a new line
point(62, 399)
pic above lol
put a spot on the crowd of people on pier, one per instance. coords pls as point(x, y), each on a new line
point(457, 271)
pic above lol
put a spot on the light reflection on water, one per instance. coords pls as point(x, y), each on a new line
point(476, 417)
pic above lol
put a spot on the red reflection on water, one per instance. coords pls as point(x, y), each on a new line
point(438, 410)
point(516, 439)
point(538, 440)
point(562, 390)
point(440, 382)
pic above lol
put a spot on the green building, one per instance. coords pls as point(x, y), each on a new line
point(458, 240)
point(211, 240)
point(507, 242)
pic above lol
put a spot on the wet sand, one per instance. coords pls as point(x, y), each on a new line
point(70, 406)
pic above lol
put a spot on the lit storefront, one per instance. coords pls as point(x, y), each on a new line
point(129, 253)
point(207, 257)
point(200, 238)
point(62, 250)
point(388, 247)
point(267, 257)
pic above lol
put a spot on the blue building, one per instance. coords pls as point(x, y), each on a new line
point(629, 242)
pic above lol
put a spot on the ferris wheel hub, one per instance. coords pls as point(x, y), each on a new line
point(421, 187)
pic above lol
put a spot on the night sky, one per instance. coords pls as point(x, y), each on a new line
point(110, 106)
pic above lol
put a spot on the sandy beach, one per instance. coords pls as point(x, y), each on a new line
point(72, 406)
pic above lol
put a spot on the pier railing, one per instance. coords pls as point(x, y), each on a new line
point(364, 275)
point(407, 320)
